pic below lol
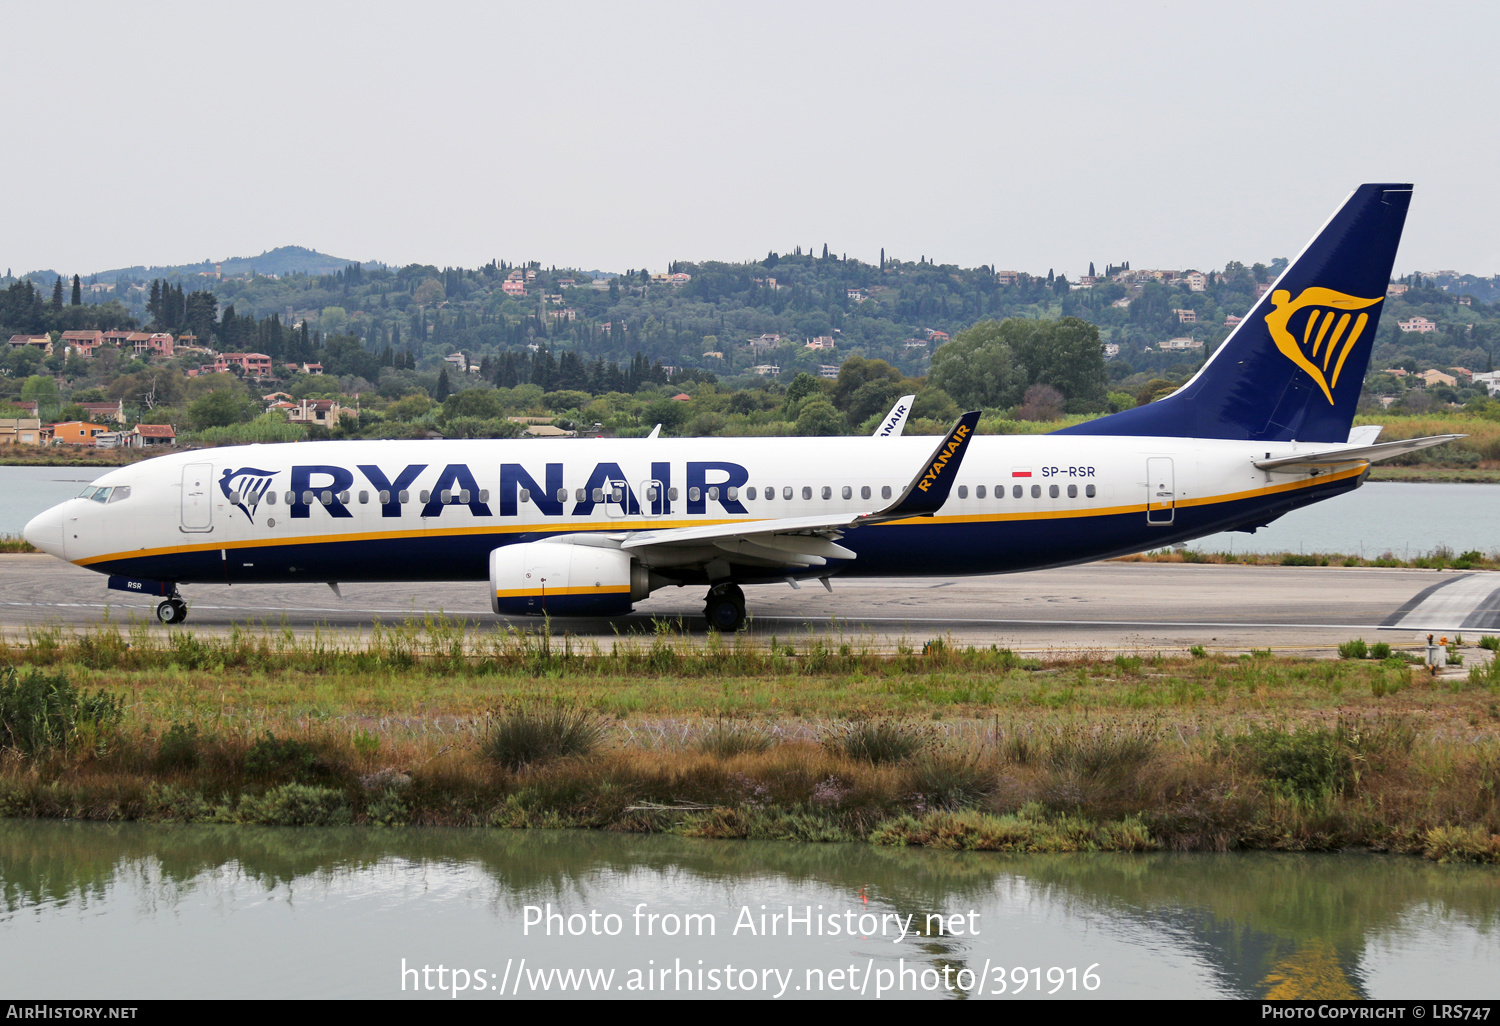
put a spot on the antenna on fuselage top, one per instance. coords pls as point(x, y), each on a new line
point(655, 431)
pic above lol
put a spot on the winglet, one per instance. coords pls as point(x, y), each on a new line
point(928, 491)
point(895, 421)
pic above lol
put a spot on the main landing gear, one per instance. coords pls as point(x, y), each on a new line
point(725, 608)
point(172, 610)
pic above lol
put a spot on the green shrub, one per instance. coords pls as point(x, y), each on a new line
point(876, 741)
point(285, 757)
point(1490, 642)
point(178, 749)
point(1309, 761)
point(296, 805)
point(41, 712)
point(1380, 650)
point(525, 736)
point(1353, 649)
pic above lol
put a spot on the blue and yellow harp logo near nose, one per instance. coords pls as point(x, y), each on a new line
point(1327, 323)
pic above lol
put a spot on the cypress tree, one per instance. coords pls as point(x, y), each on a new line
point(77, 291)
point(57, 293)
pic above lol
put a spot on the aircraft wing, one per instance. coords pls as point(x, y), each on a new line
point(1350, 454)
point(808, 541)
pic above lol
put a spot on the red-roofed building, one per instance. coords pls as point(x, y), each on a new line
point(42, 342)
point(324, 412)
point(144, 436)
point(83, 342)
point(255, 365)
point(114, 411)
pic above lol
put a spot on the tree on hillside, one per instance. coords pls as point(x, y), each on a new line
point(77, 291)
point(993, 363)
point(57, 293)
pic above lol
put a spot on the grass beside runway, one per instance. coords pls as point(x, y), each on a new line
point(435, 722)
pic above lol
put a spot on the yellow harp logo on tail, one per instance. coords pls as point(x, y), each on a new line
point(1329, 328)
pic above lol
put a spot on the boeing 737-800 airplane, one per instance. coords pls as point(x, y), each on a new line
point(590, 526)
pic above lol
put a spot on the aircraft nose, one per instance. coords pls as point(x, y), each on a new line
point(45, 532)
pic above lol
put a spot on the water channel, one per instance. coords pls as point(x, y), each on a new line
point(141, 911)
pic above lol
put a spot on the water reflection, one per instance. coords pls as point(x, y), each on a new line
point(1242, 925)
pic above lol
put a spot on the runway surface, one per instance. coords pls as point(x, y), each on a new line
point(1097, 607)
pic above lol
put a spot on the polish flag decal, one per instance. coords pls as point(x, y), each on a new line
point(1020, 471)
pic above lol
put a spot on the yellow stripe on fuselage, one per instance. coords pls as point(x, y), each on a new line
point(660, 525)
point(621, 589)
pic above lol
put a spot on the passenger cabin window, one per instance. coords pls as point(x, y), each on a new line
point(1016, 491)
point(405, 496)
point(562, 495)
point(270, 498)
point(750, 493)
point(344, 496)
point(694, 494)
point(807, 491)
point(426, 496)
point(385, 497)
point(598, 494)
point(672, 494)
point(827, 492)
point(1089, 491)
point(848, 492)
point(1052, 491)
point(1072, 491)
point(579, 495)
point(1036, 491)
point(524, 496)
point(364, 498)
point(963, 491)
point(864, 491)
point(786, 492)
point(713, 493)
point(731, 493)
point(979, 491)
point(885, 491)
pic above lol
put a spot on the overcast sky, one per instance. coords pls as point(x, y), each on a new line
point(621, 135)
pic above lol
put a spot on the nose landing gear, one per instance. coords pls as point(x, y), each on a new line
point(172, 610)
point(724, 608)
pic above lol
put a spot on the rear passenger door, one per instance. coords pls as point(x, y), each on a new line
point(197, 502)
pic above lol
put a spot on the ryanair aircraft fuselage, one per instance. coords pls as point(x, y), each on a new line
point(434, 510)
point(588, 527)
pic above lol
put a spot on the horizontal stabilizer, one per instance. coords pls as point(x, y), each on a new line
point(1350, 454)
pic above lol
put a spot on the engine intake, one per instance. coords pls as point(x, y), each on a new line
point(564, 579)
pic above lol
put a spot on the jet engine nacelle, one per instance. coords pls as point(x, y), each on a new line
point(556, 578)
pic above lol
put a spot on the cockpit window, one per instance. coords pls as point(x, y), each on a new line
point(97, 494)
point(119, 493)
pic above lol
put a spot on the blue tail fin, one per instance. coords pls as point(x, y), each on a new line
point(1293, 368)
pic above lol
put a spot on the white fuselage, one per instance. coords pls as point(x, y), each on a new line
point(432, 510)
